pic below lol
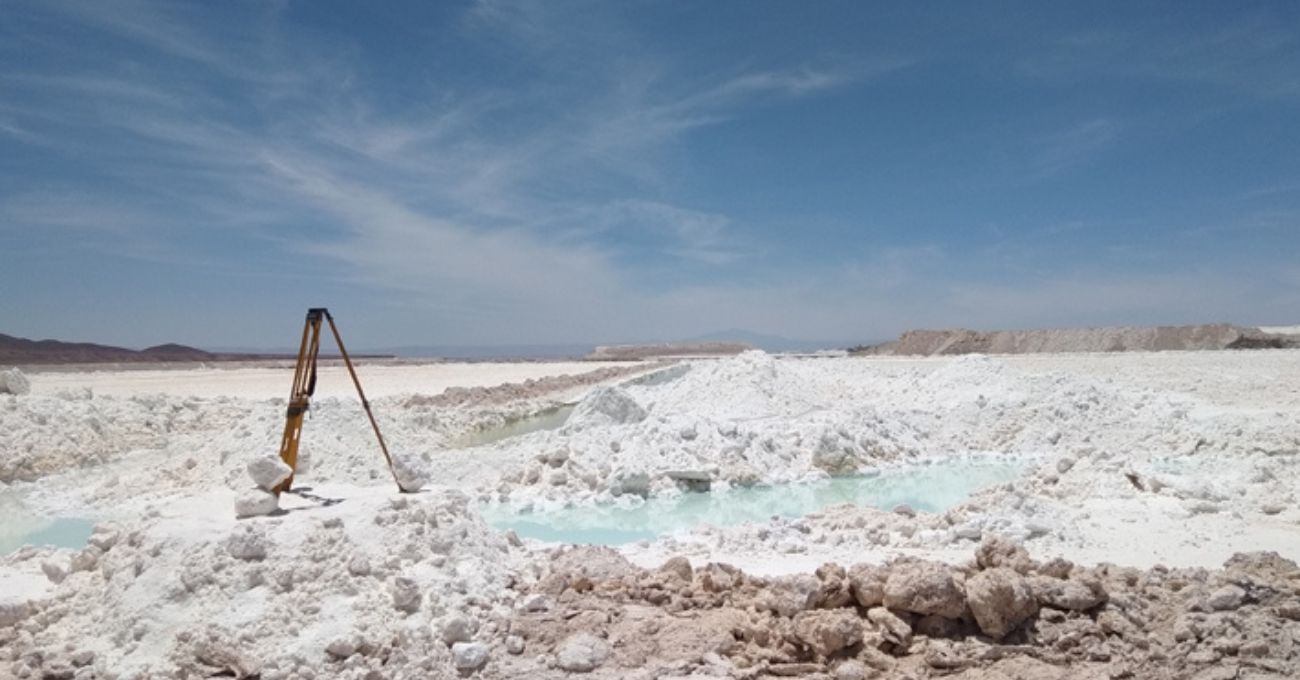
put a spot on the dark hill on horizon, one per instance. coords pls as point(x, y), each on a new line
point(15, 350)
point(22, 351)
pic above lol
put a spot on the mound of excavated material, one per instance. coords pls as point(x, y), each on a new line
point(1119, 339)
point(1000, 617)
point(419, 587)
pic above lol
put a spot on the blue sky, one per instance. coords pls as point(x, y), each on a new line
point(504, 172)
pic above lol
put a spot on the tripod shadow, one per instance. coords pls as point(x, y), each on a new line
point(305, 492)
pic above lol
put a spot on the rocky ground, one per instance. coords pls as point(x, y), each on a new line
point(1000, 616)
point(425, 603)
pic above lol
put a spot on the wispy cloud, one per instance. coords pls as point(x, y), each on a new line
point(1257, 53)
point(542, 206)
point(1273, 190)
point(15, 131)
point(105, 87)
point(647, 112)
point(702, 237)
point(188, 32)
point(418, 202)
point(1075, 146)
point(71, 210)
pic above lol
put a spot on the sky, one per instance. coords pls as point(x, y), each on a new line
point(499, 172)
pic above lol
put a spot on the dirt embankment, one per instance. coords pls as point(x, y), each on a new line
point(1118, 339)
point(1002, 616)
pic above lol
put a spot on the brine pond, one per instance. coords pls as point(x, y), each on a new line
point(550, 419)
point(62, 532)
point(929, 488)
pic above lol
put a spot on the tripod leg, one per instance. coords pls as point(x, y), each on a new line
point(304, 383)
point(364, 403)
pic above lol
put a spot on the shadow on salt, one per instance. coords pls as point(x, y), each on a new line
point(928, 488)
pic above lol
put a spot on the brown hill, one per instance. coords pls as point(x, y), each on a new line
point(24, 352)
point(175, 352)
point(14, 350)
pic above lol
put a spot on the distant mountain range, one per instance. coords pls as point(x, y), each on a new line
point(16, 350)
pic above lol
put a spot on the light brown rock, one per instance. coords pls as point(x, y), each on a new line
point(923, 588)
point(892, 627)
point(867, 583)
point(1064, 594)
point(678, 566)
point(835, 590)
point(826, 631)
point(1000, 599)
point(996, 551)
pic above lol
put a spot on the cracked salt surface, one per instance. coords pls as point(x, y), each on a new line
point(928, 488)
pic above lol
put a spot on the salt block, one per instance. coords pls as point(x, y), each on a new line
point(410, 471)
point(268, 471)
point(256, 502)
point(469, 656)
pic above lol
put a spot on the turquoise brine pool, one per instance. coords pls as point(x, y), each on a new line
point(930, 488)
point(64, 532)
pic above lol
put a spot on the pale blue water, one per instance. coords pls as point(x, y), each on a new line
point(661, 377)
point(930, 488)
point(546, 420)
point(64, 532)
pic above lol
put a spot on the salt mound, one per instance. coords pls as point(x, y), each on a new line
point(749, 386)
point(13, 381)
point(972, 377)
point(969, 371)
point(44, 435)
point(336, 591)
point(757, 419)
point(606, 406)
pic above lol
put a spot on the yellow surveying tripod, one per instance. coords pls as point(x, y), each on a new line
point(304, 385)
